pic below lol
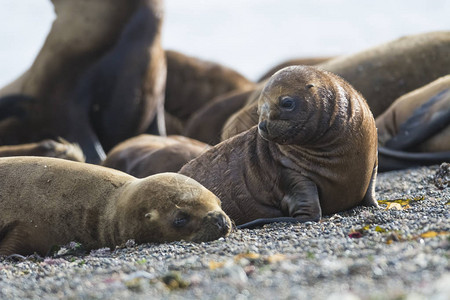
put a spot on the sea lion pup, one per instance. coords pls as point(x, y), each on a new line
point(193, 82)
point(146, 154)
point(49, 201)
point(83, 33)
point(49, 148)
point(206, 124)
point(314, 152)
point(415, 129)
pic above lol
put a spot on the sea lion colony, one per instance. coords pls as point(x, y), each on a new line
point(111, 86)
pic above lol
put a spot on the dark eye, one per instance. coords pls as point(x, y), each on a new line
point(180, 221)
point(287, 103)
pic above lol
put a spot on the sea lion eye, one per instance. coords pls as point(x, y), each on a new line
point(287, 103)
point(180, 221)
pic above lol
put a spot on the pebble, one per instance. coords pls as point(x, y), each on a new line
point(398, 254)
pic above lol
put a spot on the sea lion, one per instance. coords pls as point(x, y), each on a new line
point(206, 124)
point(146, 154)
point(313, 152)
point(387, 71)
point(193, 82)
point(415, 129)
point(91, 46)
point(49, 148)
point(49, 201)
point(244, 118)
point(381, 73)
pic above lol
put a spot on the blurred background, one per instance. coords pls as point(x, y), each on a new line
point(248, 35)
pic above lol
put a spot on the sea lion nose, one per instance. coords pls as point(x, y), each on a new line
point(221, 223)
point(263, 126)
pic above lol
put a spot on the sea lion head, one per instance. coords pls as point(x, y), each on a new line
point(296, 105)
point(169, 207)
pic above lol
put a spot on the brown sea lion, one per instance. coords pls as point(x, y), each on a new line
point(244, 118)
point(206, 124)
point(385, 72)
point(49, 148)
point(415, 129)
point(382, 73)
point(146, 154)
point(92, 78)
point(314, 152)
point(193, 82)
point(306, 61)
point(49, 201)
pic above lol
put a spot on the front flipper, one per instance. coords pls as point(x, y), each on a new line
point(260, 222)
point(426, 121)
point(14, 240)
point(301, 200)
point(369, 197)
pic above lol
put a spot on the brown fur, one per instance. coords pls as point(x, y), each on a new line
point(389, 122)
point(319, 158)
point(192, 83)
point(388, 71)
point(48, 148)
point(381, 74)
point(207, 123)
point(48, 201)
point(97, 57)
point(147, 155)
point(306, 61)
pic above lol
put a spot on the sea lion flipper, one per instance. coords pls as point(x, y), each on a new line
point(389, 160)
point(263, 221)
point(369, 197)
point(12, 239)
point(426, 121)
point(302, 199)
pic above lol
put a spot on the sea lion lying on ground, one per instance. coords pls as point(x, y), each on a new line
point(206, 124)
point(387, 71)
point(49, 201)
point(147, 154)
point(381, 74)
point(49, 148)
point(97, 77)
point(193, 82)
point(415, 129)
point(314, 152)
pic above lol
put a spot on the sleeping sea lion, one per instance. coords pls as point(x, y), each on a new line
point(313, 152)
point(49, 148)
point(146, 154)
point(206, 124)
point(415, 129)
point(387, 71)
point(382, 73)
point(49, 201)
point(193, 82)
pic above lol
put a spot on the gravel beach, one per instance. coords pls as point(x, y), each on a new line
point(398, 251)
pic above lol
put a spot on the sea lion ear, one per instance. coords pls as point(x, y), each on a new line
point(310, 85)
point(153, 215)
